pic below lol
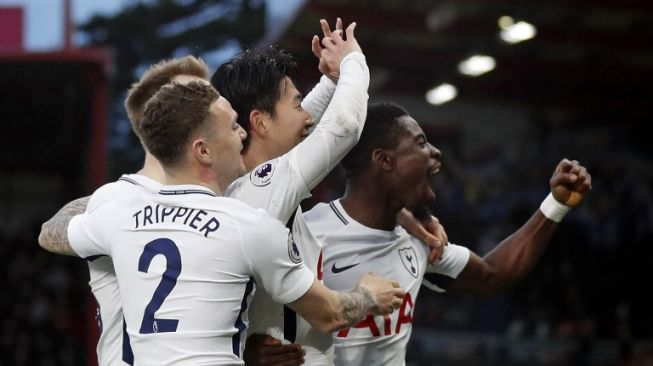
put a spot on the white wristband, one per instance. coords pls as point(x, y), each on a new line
point(552, 209)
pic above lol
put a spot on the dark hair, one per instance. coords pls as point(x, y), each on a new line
point(252, 80)
point(382, 131)
point(173, 115)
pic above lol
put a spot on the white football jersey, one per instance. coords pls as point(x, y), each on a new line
point(279, 185)
point(186, 263)
point(113, 346)
point(352, 250)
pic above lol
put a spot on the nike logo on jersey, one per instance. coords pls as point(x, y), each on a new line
point(335, 269)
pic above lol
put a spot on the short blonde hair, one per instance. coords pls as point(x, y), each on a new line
point(154, 78)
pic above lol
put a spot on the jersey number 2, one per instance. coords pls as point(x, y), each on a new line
point(169, 250)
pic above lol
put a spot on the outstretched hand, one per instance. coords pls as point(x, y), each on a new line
point(337, 46)
point(570, 182)
point(264, 350)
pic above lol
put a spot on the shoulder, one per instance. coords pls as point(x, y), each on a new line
point(258, 228)
point(268, 172)
point(456, 252)
point(324, 220)
point(125, 185)
point(319, 212)
point(107, 193)
point(246, 215)
point(263, 174)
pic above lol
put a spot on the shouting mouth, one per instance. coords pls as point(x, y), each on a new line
point(430, 176)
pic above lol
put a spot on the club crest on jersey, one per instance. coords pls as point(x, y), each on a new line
point(293, 250)
point(263, 174)
point(409, 259)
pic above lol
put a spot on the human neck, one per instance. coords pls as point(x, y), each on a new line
point(257, 153)
point(153, 169)
point(186, 175)
point(369, 203)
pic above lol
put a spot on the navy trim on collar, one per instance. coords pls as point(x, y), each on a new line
point(129, 180)
point(185, 191)
point(338, 213)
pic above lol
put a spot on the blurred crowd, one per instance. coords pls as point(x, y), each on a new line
point(592, 279)
point(43, 299)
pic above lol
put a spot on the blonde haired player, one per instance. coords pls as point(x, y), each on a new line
point(113, 347)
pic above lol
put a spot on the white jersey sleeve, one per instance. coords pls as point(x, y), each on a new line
point(83, 239)
point(317, 100)
point(276, 261)
point(87, 239)
point(440, 275)
point(340, 127)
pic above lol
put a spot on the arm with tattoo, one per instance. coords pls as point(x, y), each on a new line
point(54, 232)
point(329, 311)
point(355, 305)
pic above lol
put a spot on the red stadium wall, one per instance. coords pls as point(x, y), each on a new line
point(11, 28)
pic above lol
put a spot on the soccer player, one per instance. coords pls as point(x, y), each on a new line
point(390, 168)
point(187, 259)
point(286, 162)
point(113, 345)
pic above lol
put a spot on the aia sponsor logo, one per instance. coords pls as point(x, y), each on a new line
point(385, 325)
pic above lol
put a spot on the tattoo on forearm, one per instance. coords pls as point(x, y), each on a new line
point(54, 233)
point(355, 305)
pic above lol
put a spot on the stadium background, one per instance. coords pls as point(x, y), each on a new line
point(579, 89)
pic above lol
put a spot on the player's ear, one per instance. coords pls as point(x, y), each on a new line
point(258, 122)
point(201, 152)
point(382, 159)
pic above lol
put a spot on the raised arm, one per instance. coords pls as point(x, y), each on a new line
point(516, 255)
point(329, 311)
point(318, 99)
point(343, 120)
point(54, 232)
